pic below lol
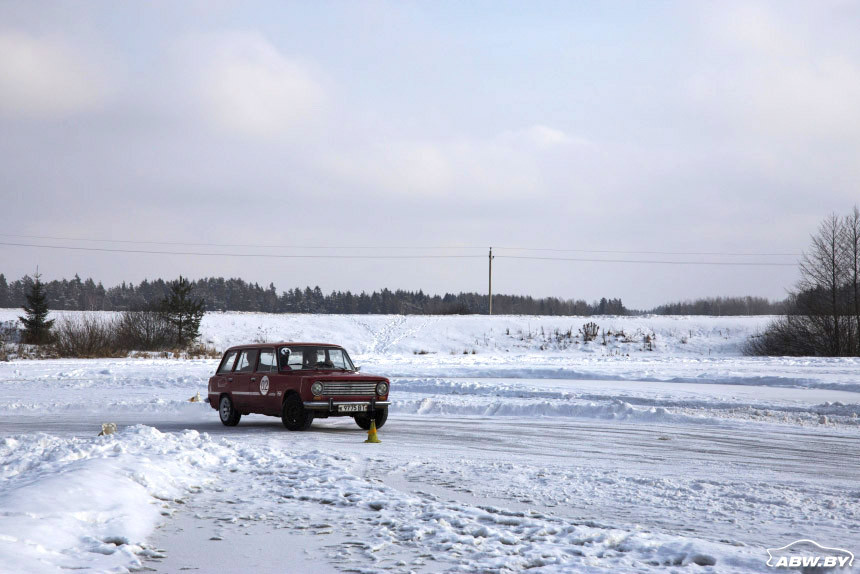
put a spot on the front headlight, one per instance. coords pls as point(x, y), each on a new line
point(317, 388)
point(382, 389)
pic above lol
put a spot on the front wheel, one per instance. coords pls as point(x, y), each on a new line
point(294, 414)
point(229, 415)
point(364, 420)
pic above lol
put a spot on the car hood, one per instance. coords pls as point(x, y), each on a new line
point(335, 375)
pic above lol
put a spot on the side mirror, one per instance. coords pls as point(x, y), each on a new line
point(357, 369)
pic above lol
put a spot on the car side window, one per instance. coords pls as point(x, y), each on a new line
point(267, 361)
point(246, 361)
point(227, 363)
point(295, 361)
point(335, 358)
point(284, 354)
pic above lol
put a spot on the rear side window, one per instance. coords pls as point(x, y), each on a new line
point(267, 361)
point(246, 361)
point(227, 363)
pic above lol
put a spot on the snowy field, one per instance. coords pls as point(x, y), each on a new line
point(511, 446)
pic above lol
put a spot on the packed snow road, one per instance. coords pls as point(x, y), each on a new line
point(474, 474)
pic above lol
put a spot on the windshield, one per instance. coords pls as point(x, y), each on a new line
point(307, 357)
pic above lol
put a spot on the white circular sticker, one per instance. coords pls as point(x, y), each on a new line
point(264, 385)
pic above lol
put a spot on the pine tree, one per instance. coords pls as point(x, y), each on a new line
point(182, 311)
point(37, 327)
point(5, 298)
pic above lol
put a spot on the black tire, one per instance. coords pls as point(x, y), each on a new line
point(364, 420)
point(229, 415)
point(294, 415)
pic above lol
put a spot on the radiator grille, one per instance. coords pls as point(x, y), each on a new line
point(344, 388)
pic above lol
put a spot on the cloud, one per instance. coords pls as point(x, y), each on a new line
point(543, 137)
point(47, 77)
point(511, 164)
point(770, 78)
point(247, 86)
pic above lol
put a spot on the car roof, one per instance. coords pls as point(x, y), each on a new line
point(282, 344)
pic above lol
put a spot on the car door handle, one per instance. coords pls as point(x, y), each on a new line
point(230, 379)
point(253, 379)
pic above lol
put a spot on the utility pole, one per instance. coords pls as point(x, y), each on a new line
point(491, 280)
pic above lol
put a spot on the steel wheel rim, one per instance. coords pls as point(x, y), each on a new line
point(293, 413)
point(225, 409)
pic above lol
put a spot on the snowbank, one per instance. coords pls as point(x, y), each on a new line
point(90, 504)
point(73, 503)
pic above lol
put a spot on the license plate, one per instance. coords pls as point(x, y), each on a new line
point(351, 408)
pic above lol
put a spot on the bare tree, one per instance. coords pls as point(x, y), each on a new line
point(851, 240)
point(822, 278)
point(822, 315)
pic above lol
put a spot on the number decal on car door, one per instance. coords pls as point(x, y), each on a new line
point(264, 385)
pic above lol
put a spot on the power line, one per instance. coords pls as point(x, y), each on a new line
point(657, 261)
point(411, 256)
point(253, 245)
point(400, 247)
point(610, 251)
point(263, 255)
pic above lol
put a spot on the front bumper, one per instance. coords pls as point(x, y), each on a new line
point(331, 406)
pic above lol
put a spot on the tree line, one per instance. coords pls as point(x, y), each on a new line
point(172, 323)
point(235, 294)
point(719, 306)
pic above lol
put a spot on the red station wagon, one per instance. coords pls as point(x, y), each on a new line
point(297, 382)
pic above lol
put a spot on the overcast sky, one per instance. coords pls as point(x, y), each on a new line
point(607, 126)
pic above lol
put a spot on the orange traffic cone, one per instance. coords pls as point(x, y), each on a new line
point(371, 434)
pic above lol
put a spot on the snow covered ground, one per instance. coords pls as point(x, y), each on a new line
point(537, 451)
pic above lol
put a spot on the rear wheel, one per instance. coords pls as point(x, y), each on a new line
point(294, 414)
point(364, 420)
point(229, 415)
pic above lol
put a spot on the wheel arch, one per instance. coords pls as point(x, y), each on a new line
point(289, 393)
